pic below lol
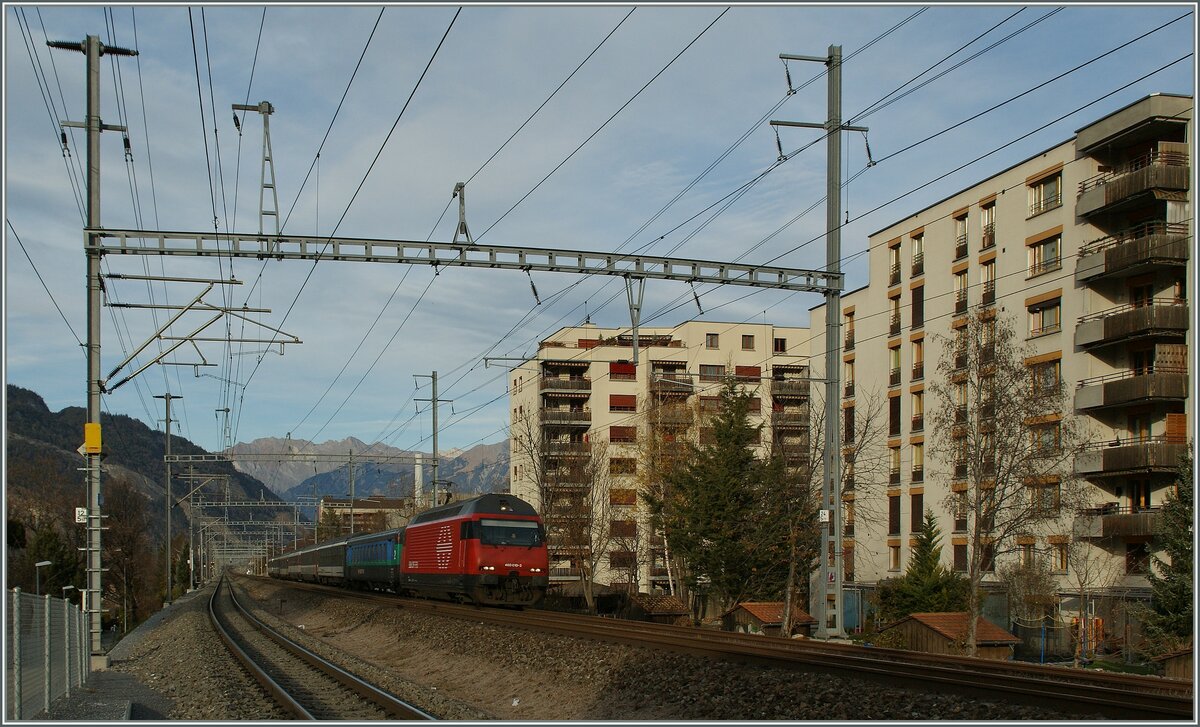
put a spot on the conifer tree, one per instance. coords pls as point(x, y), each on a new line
point(927, 585)
point(1168, 623)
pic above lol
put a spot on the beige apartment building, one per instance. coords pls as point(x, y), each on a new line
point(582, 397)
point(1086, 248)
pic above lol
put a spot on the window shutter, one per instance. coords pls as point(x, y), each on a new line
point(622, 401)
point(1177, 428)
point(918, 306)
point(894, 515)
point(618, 367)
point(918, 512)
point(747, 372)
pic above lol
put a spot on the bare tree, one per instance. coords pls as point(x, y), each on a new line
point(1006, 439)
point(1089, 571)
point(662, 451)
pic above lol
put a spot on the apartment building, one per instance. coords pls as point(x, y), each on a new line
point(1085, 247)
point(582, 397)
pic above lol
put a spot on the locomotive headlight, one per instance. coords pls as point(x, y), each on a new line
point(487, 567)
point(535, 570)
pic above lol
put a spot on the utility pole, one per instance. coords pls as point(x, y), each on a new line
point(434, 400)
point(829, 592)
point(167, 398)
point(351, 468)
point(191, 529)
point(92, 48)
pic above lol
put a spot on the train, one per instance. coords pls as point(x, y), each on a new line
point(488, 550)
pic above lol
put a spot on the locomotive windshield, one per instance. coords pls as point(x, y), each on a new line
point(510, 532)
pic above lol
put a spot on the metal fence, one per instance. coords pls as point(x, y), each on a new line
point(46, 652)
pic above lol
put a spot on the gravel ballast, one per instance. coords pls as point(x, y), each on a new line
point(463, 670)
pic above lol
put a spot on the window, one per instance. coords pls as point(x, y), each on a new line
point(894, 361)
point(848, 420)
point(918, 306)
point(960, 557)
point(622, 402)
point(987, 557)
point(918, 411)
point(917, 513)
point(1046, 376)
point(712, 372)
point(918, 255)
point(849, 378)
point(1045, 499)
point(712, 340)
point(987, 221)
point(1045, 256)
point(1045, 194)
point(894, 416)
point(621, 560)
point(622, 435)
point(747, 343)
point(1142, 361)
point(960, 292)
point(747, 373)
point(1059, 553)
point(894, 458)
point(1027, 554)
point(894, 264)
point(622, 466)
point(987, 278)
point(1137, 559)
point(849, 324)
point(780, 345)
point(894, 304)
point(710, 404)
point(621, 371)
point(960, 511)
point(619, 496)
point(918, 354)
point(893, 515)
point(960, 237)
point(1045, 317)
point(1047, 439)
point(622, 528)
point(918, 463)
point(894, 557)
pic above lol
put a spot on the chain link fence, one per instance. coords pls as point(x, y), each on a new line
point(46, 652)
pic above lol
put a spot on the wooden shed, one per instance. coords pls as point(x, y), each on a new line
point(659, 609)
point(765, 617)
point(946, 633)
point(1177, 664)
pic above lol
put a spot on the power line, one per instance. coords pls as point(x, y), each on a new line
point(44, 286)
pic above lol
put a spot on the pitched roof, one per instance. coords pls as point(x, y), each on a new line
point(661, 605)
point(771, 612)
point(953, 625)
point(1185, 651)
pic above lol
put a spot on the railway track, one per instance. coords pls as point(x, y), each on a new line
point(1084, 692)
point(305, 685)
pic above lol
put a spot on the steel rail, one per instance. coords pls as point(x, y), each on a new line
point(396, 708)
point(1086, 692)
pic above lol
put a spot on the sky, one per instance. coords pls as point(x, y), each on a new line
point(603, 165)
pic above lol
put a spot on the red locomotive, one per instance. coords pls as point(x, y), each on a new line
point(489, 550)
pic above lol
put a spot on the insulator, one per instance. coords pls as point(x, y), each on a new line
point(237, 124)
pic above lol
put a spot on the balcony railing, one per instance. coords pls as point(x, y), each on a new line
point(1160, 383)
point(849, 346)
point(960, 360)
point(1153, 159)
point(918, 264)
point(571, 384)
point(1113, 521)
point(960, 470)
point(1132, 250)
point(849, 390)
point(1046, 203)
point(1163, 317)
point(989, 292)
point(894, 476)
point(960, 300)
point(960, 414)
point(671, 383)
point(1043, 330)
point(568, 449)
point(989, 236)
point(789, 417)
point(987, 353)
point(918, 474)
point(918, 422)
point(894, 377)
point(918, 371)
point(894, 274)
point(565, 416)
point(1045, 266)
point(790, 388)
point(1121, 457)
point(960, 247)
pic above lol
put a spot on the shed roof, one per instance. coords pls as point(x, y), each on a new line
point(770, 613)
point(953, 625)
point(661, 605)
point(1185, 651)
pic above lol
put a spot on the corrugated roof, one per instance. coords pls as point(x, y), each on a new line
point(770, 613)
point(953, 626)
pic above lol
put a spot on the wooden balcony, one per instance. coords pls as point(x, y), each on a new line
point(671, 384)
point(790, 388)
point(1112, 521)
point(571, 417)
point(1144, 248)
point(1160, 318)
point(1129, 456)
point(557, 384)
point(1132, 387)
point(1163, 170)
